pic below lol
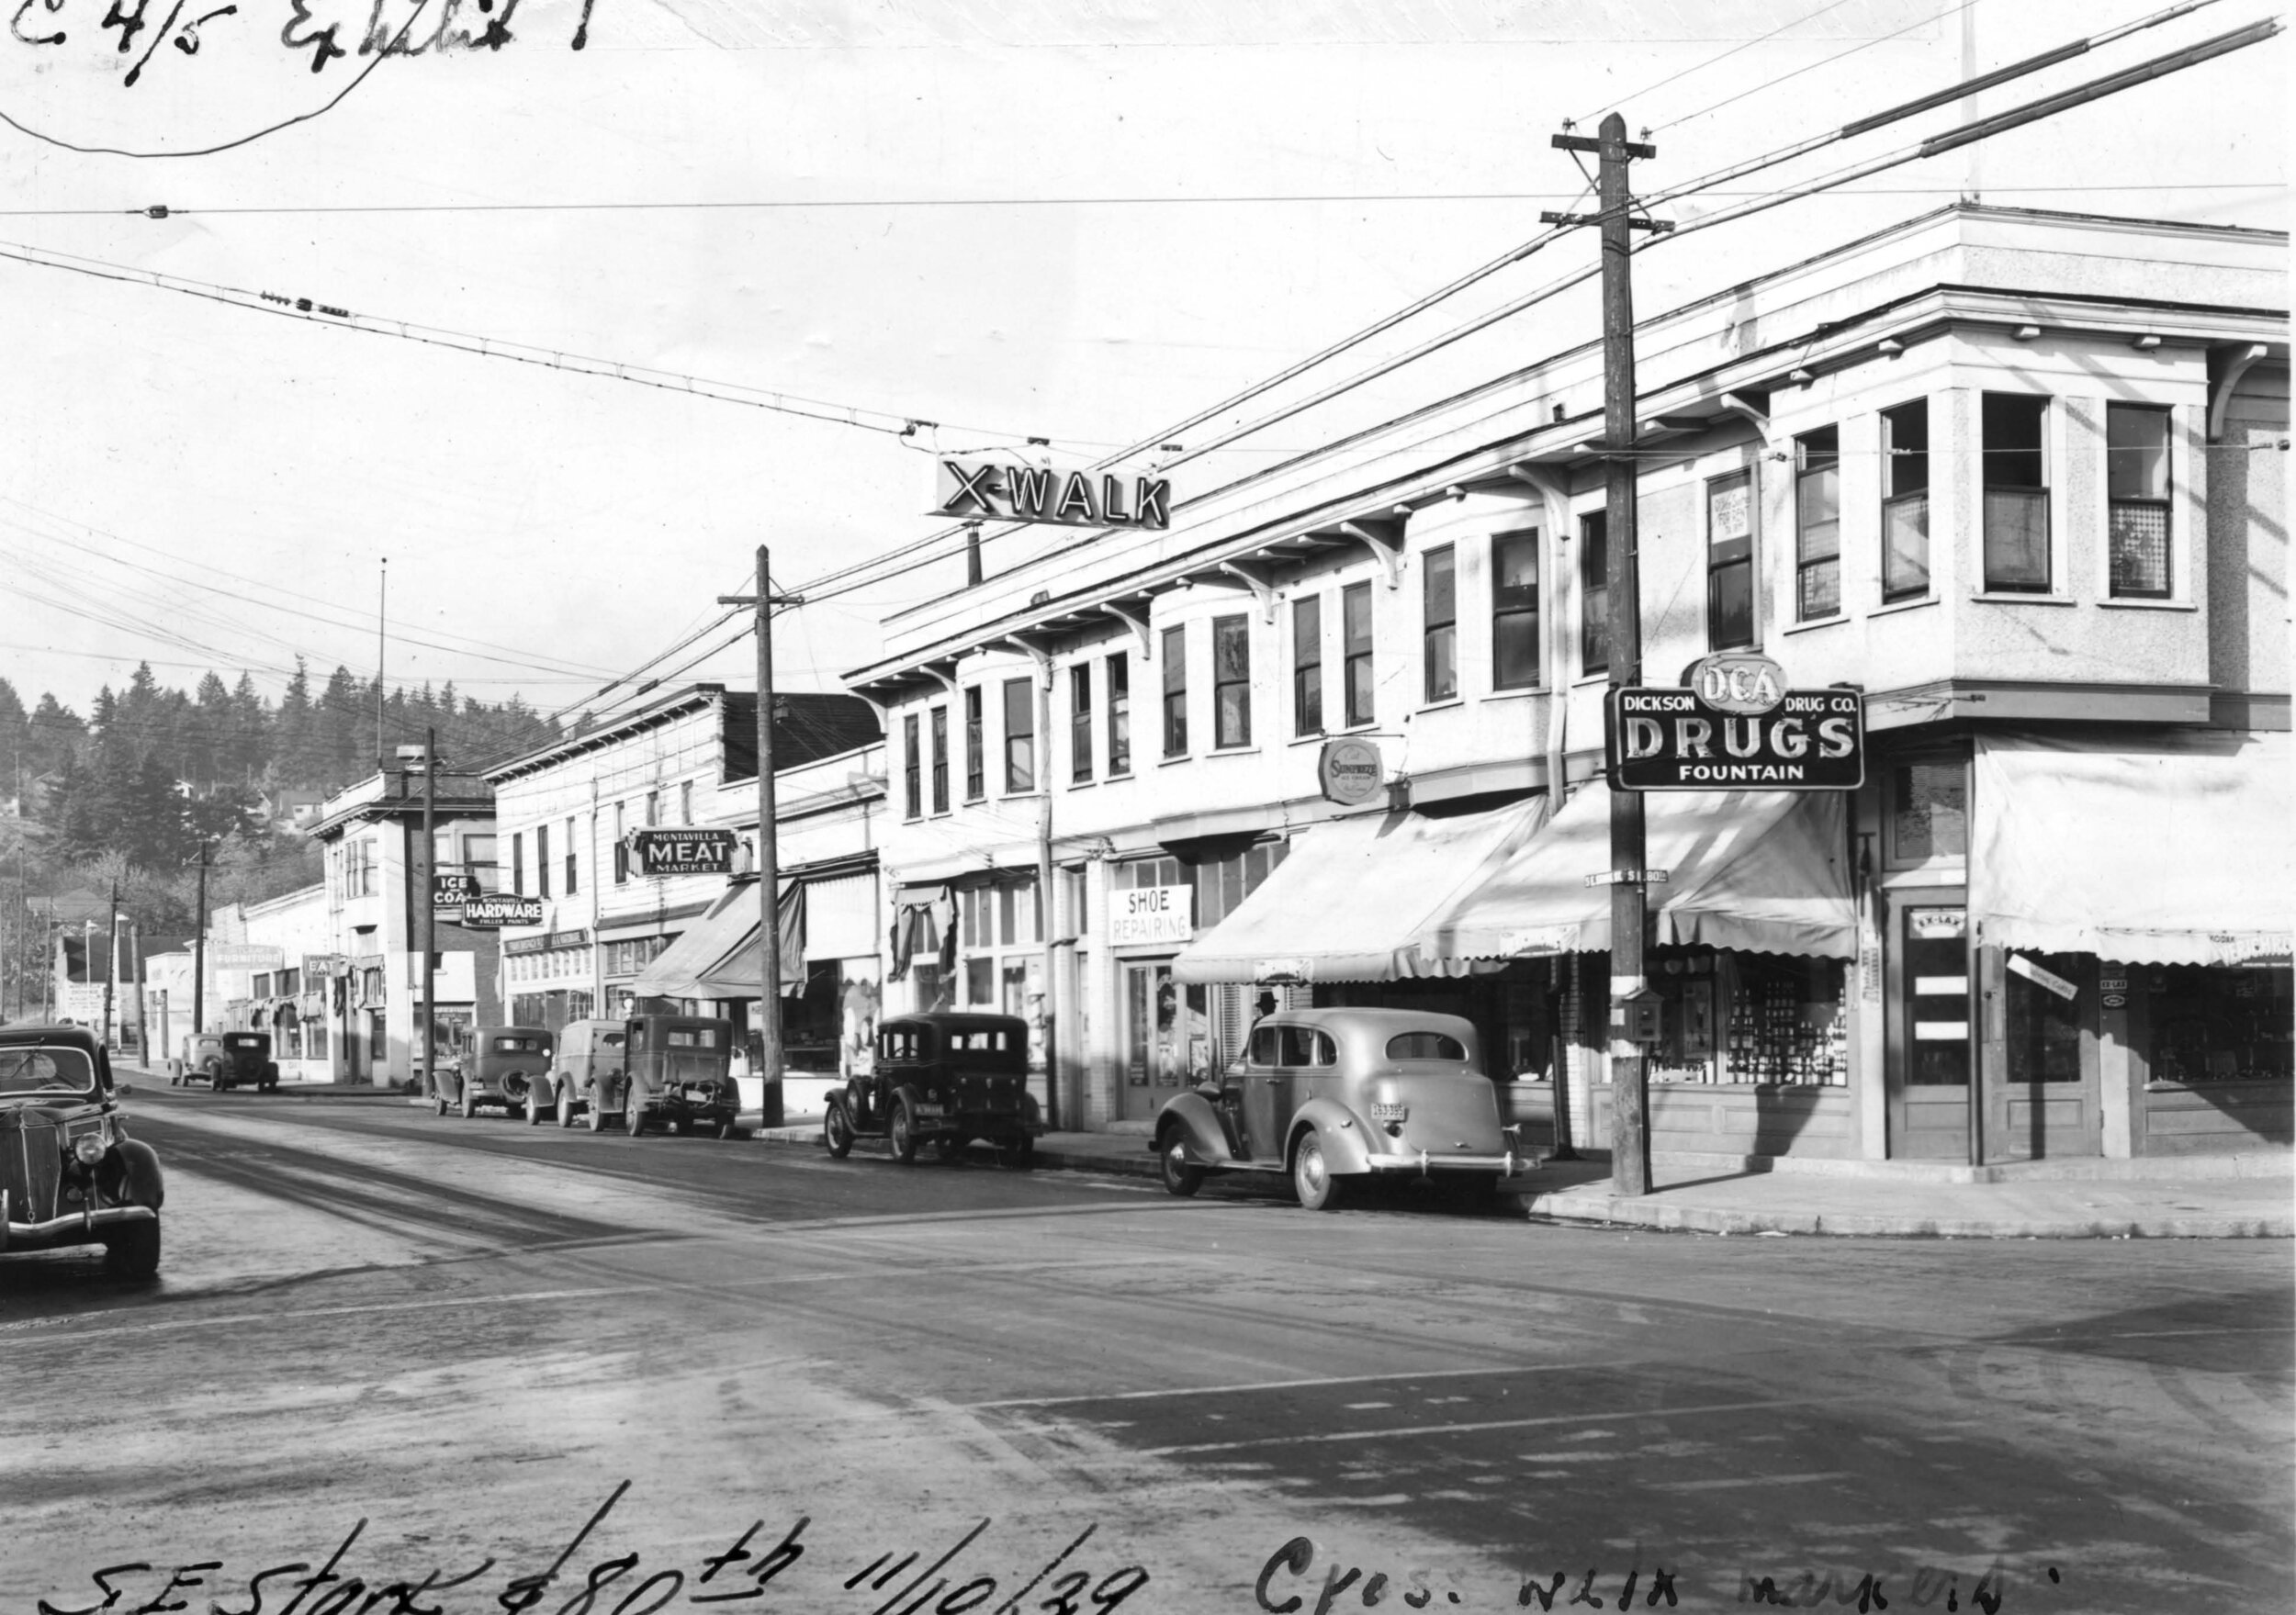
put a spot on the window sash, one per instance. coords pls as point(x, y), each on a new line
point(1818, 525)
point(940, 728)
point(1439, 670)
point(1514, 610)
point(912, 771)
point(2017, 541)
point(1119, 714)
point(1306, 666)
point(1175, 692)
point(1731, 561)
point(975, 746)
point(1354, 613)
point(1080, 722)
point(1232, 681)
point(1906, 547)
point(2137, 540)
point(542, 860)
point(1594, 593)
point(1019, 738)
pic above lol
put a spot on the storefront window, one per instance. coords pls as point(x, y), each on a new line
point(2043, 1020)
point(1748, 1018)
point(2204, 1023)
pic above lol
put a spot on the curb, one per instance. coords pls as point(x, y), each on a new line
point(1608, 1212)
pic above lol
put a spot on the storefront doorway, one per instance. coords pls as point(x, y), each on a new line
point(1167, 1037)
point(2040, 1060)
point(1928, 1053)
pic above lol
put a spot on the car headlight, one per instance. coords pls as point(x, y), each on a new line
point(88, 1148)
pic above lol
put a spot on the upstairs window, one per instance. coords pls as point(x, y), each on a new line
point(1174, 649)
point(2136, 484)
point(1080, 722)
point(571, 844)
point(1439, 642)
point(1594, 593)
point(518, 864)
point(1231, 682)
point(976, 785)
point(1020, 737)
point(1354, 628)
point(685, 802)
point(1119, 714)
point(940, 730)
point(1906, 502)
point(542, 860)
point(912, 770)
point(2016, 495)
point(1731, 561)
point(621, 844)
point(1306, 666)
point(1514, 610)
point(1818, 525)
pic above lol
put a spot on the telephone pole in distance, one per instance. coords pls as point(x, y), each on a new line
point(768, 855)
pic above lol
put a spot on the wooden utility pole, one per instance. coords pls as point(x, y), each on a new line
point(111, 963)
point(1629, 907)
point(199, 952)
point(769, 855)
point(430, 904)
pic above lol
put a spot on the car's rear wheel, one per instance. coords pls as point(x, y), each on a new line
point(837, 1132)
point(438, 1102)
point(633, 1111)
point(1180, 1177)
point(597, 1110)
point(1017, 1153)
point(565, 1104)
point(469, 1102)
point(1319, 1188)
point(534, 1108)
point(725, 1131)
point(133, 1250)
point(902, 1134)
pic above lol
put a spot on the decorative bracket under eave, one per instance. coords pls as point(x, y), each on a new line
point(2221, 395)
point(1383, 536)
point(1261, 585)
point(1036, 653)
point(1137, 621)
point(1554, 492)
point(947, 673)
point(1756, 411)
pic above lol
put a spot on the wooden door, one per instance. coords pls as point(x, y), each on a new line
point(1928, 1045)
point(2039, 1061)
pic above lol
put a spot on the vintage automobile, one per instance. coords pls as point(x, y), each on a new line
point(677, 1072)
point(1335, 1097)
point(69, 1172)
point(944, 1078)
point(225, 1060)
point(589, 1062)
point(496, 1070)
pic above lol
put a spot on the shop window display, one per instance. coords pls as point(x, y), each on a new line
point(2042, 1026)
point(1748, 1018)
point(2214, 1025)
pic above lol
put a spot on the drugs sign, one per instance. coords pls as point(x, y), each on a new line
point(489, 910)
point(684, 852)
point(1673, 740)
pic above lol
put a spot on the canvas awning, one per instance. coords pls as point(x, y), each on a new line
point(1349, 901)
point(716, 957)
point(1764, 871)
point(2176, 851)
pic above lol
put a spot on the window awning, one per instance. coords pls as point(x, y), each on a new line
point(1761, 871)
point(2174, 851)
point(716, 957)
point(1349, 901)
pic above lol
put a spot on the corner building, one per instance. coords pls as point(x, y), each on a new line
point(2013, 477)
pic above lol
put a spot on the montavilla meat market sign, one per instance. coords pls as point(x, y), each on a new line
point(1733, 725)
point(1011, 490)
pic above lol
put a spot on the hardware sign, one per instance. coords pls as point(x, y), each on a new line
point(684, 852)
point(489, 910)
point(1003, 490)
point(1673, 740)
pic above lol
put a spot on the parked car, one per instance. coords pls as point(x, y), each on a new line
point(69, 1172)
point(678, 1073)
point(225, 1060)
point(586, 1076)
point(1333, 1097)
point(942, 1078)
point(497, 1071)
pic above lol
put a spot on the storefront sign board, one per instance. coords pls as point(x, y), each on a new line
point(1012, 490)
point(1673, 740)
point(1935, 925)
point(1151, 914)
point(321, 966)
point(1350, 771)
point(2048, 980)
point(686, 851)
point(245, 956)
point(449, 891)
point(493, 909)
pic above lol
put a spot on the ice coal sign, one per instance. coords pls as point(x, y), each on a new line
point(1733, 725)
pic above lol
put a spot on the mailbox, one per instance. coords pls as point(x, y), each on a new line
point(1638, 1017)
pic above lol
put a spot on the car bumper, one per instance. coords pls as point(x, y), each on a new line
point(1420, 1163)
point(78, 1228)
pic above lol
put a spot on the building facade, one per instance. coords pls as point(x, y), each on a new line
point(2014, 477)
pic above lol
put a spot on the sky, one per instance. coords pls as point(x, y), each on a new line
point(1076, 220)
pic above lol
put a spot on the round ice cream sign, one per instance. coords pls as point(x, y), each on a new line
point(1737, 681)
point(1350, 771)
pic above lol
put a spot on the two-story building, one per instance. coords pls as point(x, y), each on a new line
point(372, 833)
point(615, 940)
point(2015, 475)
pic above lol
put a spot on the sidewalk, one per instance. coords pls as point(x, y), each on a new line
point(2242, 1197)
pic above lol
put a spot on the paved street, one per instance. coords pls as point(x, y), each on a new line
point(469, 1334)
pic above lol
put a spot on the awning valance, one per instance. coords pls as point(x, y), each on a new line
point(2174, 851)
point(716, 957)
point(1349, 901)
point(1762, 871)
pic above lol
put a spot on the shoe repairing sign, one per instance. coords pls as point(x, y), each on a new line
point(1734, 725)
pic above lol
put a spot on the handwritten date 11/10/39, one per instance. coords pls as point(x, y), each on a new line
point(322, 30)
point(757, 1568)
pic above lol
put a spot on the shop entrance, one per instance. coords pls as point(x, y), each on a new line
point(2040, 1064)
point(1929, 1046)
point(1167, 1037)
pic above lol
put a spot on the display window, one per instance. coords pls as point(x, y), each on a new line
point(2210, 1024)
point(1748, 1018)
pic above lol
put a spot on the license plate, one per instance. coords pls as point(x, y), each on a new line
point(929, 1110)
point(1390, 1112)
